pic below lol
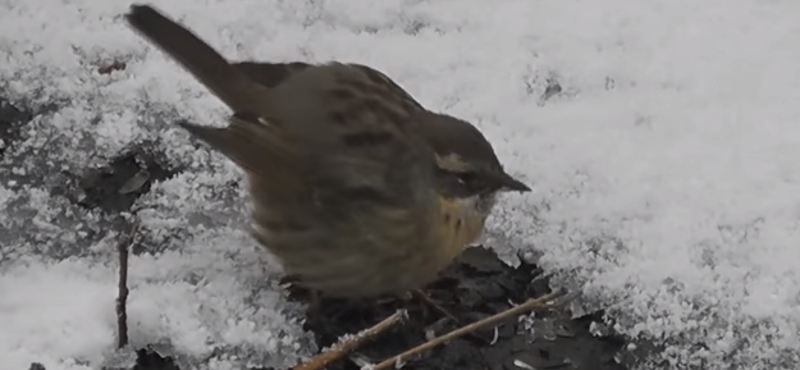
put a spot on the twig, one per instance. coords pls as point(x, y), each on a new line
point(122, 316)
point(547, 301)
point(341, 349)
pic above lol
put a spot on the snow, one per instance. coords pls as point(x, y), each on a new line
point(666, 174)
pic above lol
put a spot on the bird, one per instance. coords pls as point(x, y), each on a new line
point(356, 188)
point(468, 169)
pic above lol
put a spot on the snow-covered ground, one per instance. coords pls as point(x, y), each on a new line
point(667, 174)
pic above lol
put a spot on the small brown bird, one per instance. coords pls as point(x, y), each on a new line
point(356, 187)
point(468, 170)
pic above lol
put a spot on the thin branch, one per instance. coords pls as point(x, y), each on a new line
point(122, 296)
point(548, 301)
point(340, 350)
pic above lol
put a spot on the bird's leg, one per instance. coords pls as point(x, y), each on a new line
point(314, 308)
point(314, 302)
point(429, 301)
point(407, 296)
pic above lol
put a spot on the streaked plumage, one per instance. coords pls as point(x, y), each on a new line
point(355, 187)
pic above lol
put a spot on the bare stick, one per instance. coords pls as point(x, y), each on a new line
point(122, 316)
point(547, 301)
point(340, 350)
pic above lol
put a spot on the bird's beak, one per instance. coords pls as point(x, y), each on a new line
point(509, 183)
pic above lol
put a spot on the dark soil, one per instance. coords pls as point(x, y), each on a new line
point(475, 286)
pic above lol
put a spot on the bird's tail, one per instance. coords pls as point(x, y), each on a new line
point(258, 146)
point(225, 81)
point(270, 74)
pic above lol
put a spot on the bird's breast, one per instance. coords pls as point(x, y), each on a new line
point(458, 225)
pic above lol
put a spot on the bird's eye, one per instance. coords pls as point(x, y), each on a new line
point(465, 178)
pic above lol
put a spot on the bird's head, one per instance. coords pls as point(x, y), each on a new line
point(466, 164)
